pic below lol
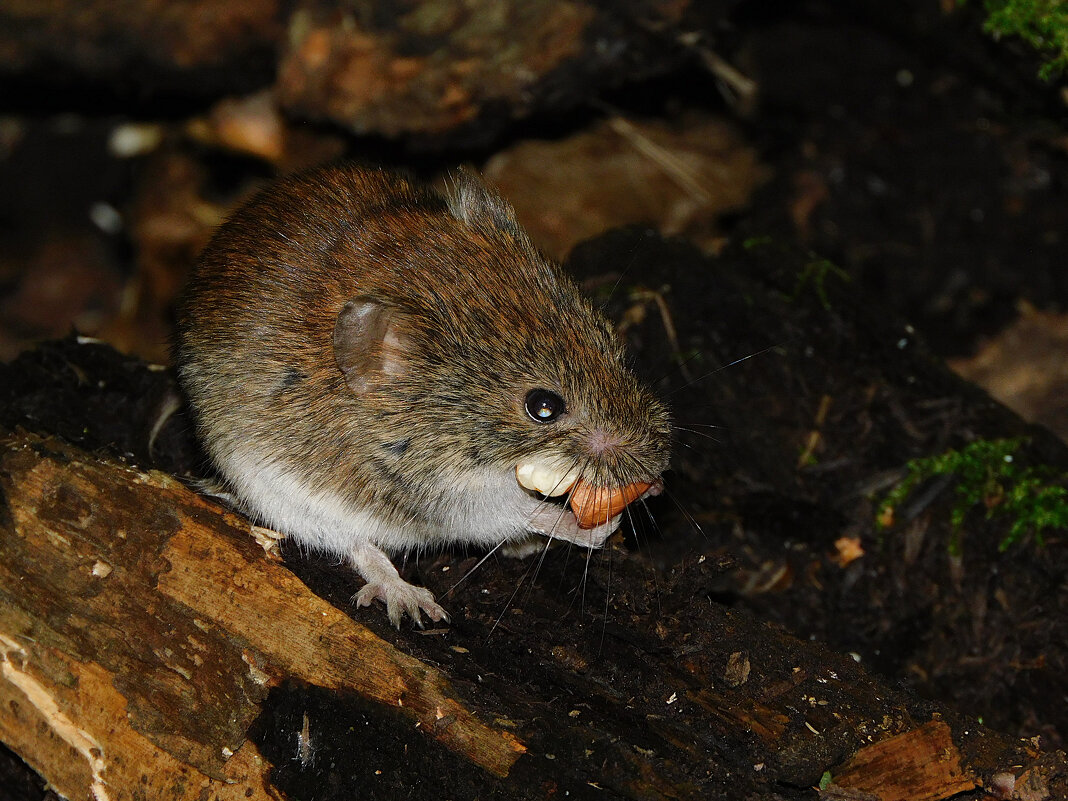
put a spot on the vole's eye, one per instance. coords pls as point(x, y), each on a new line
point(544, 406)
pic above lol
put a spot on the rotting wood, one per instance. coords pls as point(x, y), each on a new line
point(68, 721)
point(305, 637)
point(140, 627)
point(919, 765)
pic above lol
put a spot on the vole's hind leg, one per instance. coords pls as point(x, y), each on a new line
point(385, 584)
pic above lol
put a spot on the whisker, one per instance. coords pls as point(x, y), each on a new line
point(632, 521)
point(724, 367)
point(470, 572)
point(585, 576)
point(563, 570)
point(677, 365)
point(607, 602)
point(637, 465)
point(619, 279)
point(623, 274)
point(649, 519)
point(537, 565)
point(689, 518)
point(550, 537)
point(508, 603)
point(696, 433)
point(652, 567)
point(586, 569)
point(566, 501)
point(686, 445)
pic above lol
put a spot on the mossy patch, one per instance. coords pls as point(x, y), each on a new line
point(986, 475)
point(1043, 24)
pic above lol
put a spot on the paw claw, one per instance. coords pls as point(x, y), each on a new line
point(402, 598)
point(366, 595)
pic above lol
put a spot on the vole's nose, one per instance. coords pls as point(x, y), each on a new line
point(600, 442)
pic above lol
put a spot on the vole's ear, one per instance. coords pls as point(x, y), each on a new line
point(471, 201)
point(370, 344)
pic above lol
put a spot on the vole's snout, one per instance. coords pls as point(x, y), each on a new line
point(600, 442)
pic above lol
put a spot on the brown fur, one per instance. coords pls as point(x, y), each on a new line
point(482, 317)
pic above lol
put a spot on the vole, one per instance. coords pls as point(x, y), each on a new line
point(376, 367)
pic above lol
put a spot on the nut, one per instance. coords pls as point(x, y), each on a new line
point(594, 506)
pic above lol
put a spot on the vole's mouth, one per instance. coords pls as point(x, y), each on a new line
point(592, 505)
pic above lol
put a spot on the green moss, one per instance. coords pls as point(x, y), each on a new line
point(1043, 24)
point(814, 274)
point(1030, 500)
point(758, 242)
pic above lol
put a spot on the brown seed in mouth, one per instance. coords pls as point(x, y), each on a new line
point(594, 506)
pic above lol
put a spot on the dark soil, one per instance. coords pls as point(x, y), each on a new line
point(936, 167)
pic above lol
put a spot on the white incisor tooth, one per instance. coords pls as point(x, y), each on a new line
point(548, 479)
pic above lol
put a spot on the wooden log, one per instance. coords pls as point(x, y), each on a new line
point(919, 765)
point(141, 628)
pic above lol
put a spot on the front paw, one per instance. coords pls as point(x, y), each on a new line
point(401, 598)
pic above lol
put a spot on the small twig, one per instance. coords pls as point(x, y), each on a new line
point(744, 88)
point(672, 166)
